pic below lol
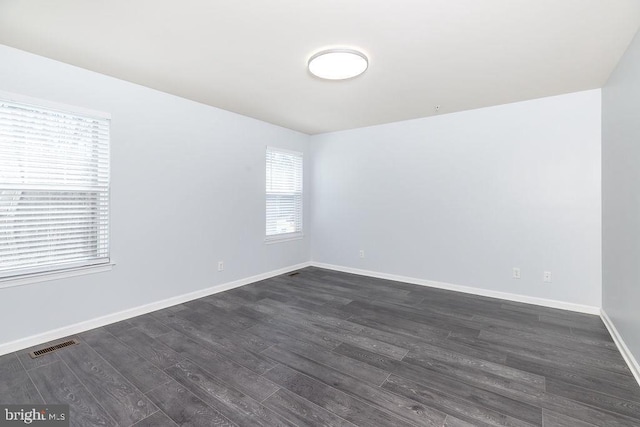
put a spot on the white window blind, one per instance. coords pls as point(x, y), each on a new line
point(284, 193)
point(54, 189)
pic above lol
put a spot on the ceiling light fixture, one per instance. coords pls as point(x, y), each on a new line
point(338, 64)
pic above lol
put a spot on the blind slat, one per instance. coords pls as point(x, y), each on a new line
point(33, 247)
point(284, 200)
point(39, 222)
point(43, 154)
point(9, 267)
point(57, 236)
point(54, 189)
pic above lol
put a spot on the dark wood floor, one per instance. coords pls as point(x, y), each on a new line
point(322, 348)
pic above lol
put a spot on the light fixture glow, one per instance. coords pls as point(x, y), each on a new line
point(338, 64)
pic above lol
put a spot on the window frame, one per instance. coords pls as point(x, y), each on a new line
point(294, 235)
point(63, 269)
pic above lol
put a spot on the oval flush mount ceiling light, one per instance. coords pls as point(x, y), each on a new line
point(338, 64)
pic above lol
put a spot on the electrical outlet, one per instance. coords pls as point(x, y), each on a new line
point(220, 265)
point(516, 273)
point(361, 253)
point(547, 277)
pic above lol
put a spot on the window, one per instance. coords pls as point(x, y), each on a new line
point(284, 194)
point(54, 189)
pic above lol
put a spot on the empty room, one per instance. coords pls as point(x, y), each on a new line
point(320, 213)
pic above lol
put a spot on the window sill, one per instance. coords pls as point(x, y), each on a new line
point(28, 279)
point(283, 238)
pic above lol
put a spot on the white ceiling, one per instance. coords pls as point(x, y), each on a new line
point(249, 56)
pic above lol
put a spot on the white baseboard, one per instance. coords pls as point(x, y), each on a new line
point(86, 325)
point(634, 367)
point(97, 322)
point(466, 289)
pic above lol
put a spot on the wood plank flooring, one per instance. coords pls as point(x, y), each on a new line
point(323, 348)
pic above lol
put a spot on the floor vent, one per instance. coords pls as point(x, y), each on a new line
point(51, 349)
point(295, 273)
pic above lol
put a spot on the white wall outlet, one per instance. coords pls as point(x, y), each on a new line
point(516, 273)
point(220, 265)
point(547, 277)
point(361, 253)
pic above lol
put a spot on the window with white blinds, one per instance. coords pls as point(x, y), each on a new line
point(284, 194)
point(54, 189)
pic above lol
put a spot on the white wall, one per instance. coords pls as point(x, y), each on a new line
point(462, 198)
point(187, 191)
point(621, 197)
